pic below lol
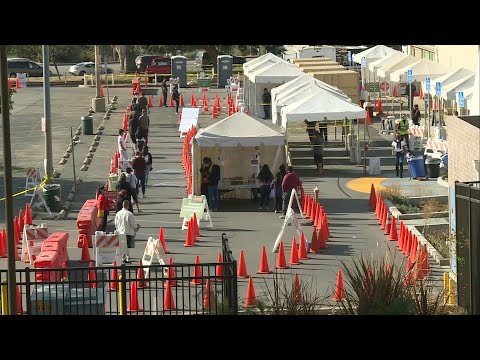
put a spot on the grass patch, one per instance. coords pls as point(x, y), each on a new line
point(391, 192)
point(404, 205)
point(440, 241)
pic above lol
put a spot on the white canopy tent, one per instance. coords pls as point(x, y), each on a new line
point(269, 77)
point(321, 105)
point(387, 60)
point(373, 53)
point(247, 65)
point(239, 144)
point(420, 70)
point(448, 79)
point(385, 70)
point(449, 91)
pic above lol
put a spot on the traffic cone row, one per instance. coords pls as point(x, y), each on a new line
point(373, 198)
point(339, 294)
point(242, 267)
point(182, 102)
point(150, 101)
point(420, 95)
point(92, 278)
point(141, 283)
point(219, 269)
point(160, 101)
point(161, 237)
point(197, 273)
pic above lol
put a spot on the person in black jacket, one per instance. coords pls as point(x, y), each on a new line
point(212, 181)
point(164, 92)
point(176, 98)
point(267, 103)
point(134, 123)
point(124, 185)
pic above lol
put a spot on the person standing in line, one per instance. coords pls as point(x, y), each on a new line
point(276, 186)
point(204, 172)
point(282, 170)
point(102, 206)
point(124, 185)
point(310, 129)
point(144, 124)
point(212, 180)
point(265, 178)
point(132, 180)
point(138, 165)
point(148, 163)
point(122, 146)
point(416, 115)
point(134, 123)
point(398, 152)
point(125, 224)
point(164, 92)
point(318, 142)
point(142, 103)
point(322, 127)
point(267, 103)
point(176, 98)
point(290, 181)
point(402, 128)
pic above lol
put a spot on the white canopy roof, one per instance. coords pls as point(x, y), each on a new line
point(387, 60)
point(449, 78)
point(386, 70)
point(276, 73)
point(373, 54)
point(239, 129)
point(319, 106)
point(268, 56)
point(262, 64)
point(449, 91)
point(300, 83)
point(420, 70)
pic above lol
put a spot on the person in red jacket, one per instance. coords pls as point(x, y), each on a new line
point(290, 181)
point(102, 206)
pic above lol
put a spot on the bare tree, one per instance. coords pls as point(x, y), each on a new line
point(121, 50)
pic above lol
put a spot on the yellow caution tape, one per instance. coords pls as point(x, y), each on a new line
point(28, 190)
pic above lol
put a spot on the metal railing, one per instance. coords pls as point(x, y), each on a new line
point(123, 290)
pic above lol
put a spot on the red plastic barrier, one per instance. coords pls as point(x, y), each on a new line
point(48, 259)
point(57, 242)
point(87, 221)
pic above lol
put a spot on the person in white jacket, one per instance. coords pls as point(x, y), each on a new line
point(125, 224)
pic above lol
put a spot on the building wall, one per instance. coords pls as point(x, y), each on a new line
point(457, 56)
point(463, 148)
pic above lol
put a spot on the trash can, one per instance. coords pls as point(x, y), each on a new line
point(416, 166)
point(49, 299)
point(86, 301)
point(433, 167)
point(53, 196)
point(87, 125)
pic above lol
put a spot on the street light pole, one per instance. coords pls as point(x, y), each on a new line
point(98, 102)
point(7, 157)
point(47, 114)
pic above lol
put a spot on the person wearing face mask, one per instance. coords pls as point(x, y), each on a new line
point(398, 152)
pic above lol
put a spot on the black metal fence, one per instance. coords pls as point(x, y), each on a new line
point(178, 289)
point(467, 208)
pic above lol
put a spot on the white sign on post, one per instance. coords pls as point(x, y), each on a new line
point(189, 119)
point(290, 217)
point(22, 79)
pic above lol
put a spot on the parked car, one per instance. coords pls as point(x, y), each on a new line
point(142, 61)
point(22, 65)
point(160, 65)
point(87, 67)
point(203, 59)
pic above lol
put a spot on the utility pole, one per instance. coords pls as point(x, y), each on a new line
point(98, 102)
point(7, 157)
point(47, 114)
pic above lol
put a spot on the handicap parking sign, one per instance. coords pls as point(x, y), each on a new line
point(438, 88)
point(461, 99)
point(410, 76)
point(427, 84)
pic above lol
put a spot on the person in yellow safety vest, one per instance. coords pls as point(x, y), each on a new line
point(402, 128)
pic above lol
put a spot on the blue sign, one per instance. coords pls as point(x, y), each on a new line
point(349, 57)
point(364, 61)
point(410, 76)
point(461, 99)
point(427, 84)
point(438, 88)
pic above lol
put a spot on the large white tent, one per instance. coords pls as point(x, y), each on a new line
point(420, 70)
point(387, 60)
point(239, 144)
point(268, 77)
point(321, 105)
point(449, 91)
point(448, 79)
point(249, 64)
point(386, 70)
point(373, 53)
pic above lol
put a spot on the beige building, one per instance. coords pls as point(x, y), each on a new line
point(454, 56)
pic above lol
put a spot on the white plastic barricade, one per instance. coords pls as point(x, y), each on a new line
point(108, 247)
point(32, 239)
point(153, 247)
point(189, 119)
point(31, 180)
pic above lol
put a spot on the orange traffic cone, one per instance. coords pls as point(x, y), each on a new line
point(219, 269)
point(377, 206)
point(197, 273)
point(16, 231)
point(401, 236)
point(369, 120)
point(161, 236)
point(294, 253)
point(263, 269)
point(384, 217)
point(395, 92)
point(21, 222)
point(302, 251)
point(420, 95)
point(373, 198)
point(242, 267)
point(28, 216)
point(141, 277)
point(85, 252)
point(388, 223)
point(19, 301)
point(168, 301)
point(379, 106)
point(17, 84)
point(102, 94)
point(393, 230)
point(296, 294)
point(134, 305)
point(306, 204)
point(113, 278)
point(315, 245)
point(171, 104)
point(171, 274)
point(189, 239)
point(208, 302)
point(250, 299)
point(195, 223)
point(149, 101)
point(182, 103)
point(281, 261)
point(339, 288)
point(193, 102)
point(3, 247)
point(92, 278)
